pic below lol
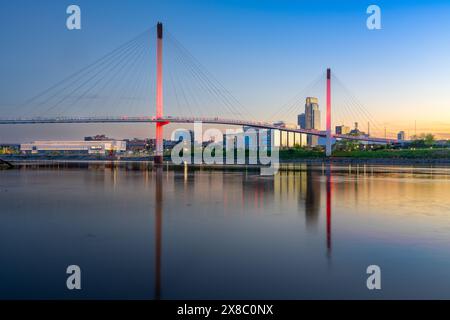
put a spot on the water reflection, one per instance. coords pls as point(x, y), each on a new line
point(158, 229)
point(254, 193)
point(177, 233)
point(312, 201)
point(329, 193)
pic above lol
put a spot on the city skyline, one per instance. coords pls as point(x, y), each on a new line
point(401, 82)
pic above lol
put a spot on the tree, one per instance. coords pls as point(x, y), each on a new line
point(429, 139)
point(418, 141)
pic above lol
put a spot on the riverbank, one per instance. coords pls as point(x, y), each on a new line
point(5, 165)
point(313, 161)
point(425, 157)
point(356, 166)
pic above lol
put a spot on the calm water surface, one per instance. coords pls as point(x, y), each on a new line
point(176, 234)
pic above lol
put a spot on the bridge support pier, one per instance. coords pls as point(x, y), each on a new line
point(159, 144)
point(328, 139)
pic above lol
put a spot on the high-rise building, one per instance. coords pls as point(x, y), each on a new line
point(401, 135)
point(312, 119)
point(301, 121)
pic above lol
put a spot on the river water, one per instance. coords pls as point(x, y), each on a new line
point(308, 232)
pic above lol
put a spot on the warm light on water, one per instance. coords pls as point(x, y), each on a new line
point(225, 234)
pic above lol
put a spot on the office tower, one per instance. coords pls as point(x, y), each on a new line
point(301, 121)
point(342, 129)
point(312, 119)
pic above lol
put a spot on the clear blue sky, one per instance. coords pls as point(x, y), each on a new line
point(263, 51)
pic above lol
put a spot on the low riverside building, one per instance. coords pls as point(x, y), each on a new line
point(281, 138)
point(78, 147)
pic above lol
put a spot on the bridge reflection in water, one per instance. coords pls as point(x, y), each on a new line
point(308, 232)
point(305, 185)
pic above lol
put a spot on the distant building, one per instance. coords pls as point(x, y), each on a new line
point(167, 144)
point(266, 138)
point(138, 145)
point(357, 132)
point(280, 124)
point(283, 139)
point(87, 147)
point(312, 119)
point(342, 129)
point(98, 137)
point(401, 135)
point(301, 121)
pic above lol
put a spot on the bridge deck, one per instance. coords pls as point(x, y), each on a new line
point(220, 121)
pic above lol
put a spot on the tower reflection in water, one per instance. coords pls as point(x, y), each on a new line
point(329, 198)
point(305, 185)
point(158, 229)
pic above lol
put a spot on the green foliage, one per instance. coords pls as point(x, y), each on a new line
point(425, 139)
point(7, 150)
point(429, 139)
point(299, 153)
point(424, 153)
point(397, 154)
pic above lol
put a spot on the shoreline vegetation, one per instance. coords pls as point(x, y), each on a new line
point(390, 155)
point(422, 150)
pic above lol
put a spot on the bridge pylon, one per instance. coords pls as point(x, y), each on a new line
point(328, 138)
point(159, 145)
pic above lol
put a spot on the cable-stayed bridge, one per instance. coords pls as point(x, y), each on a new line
point(204, 120)
point(120, 82)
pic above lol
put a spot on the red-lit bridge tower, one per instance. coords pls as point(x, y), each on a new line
point(328, 139)
point(159, 95)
